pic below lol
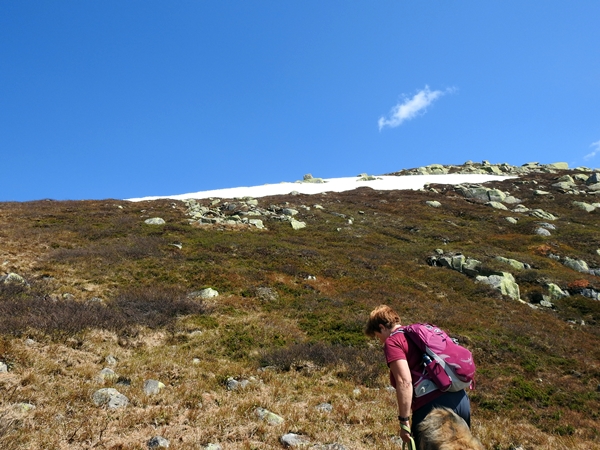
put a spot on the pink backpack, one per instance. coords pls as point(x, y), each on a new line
point(447, 366)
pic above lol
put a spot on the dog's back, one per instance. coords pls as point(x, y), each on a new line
point(442, 429)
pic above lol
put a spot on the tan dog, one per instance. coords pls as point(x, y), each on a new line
point(442, 429)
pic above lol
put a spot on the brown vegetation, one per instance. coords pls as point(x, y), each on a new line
point(101, 282)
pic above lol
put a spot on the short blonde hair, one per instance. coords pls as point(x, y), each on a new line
point(382, 315)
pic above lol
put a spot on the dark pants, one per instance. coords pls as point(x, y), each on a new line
point(456, 401)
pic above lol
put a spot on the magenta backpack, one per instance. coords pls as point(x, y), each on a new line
point(447, 366)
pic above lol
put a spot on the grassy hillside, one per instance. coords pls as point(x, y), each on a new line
point(101, 283)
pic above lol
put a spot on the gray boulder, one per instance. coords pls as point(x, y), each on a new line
point(558, 166)
point(497, 205)
point(324, 407)
point(505, 283)
point(593, 178)
point(433, 203)
point(576, 264)
point(512, 220)
point(513, 263)
point(266, 294)
point(585, 206)
point(555, 292)
point(541, 214)
point(3, 368)
point(13, 278)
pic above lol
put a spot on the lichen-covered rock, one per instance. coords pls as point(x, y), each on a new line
point(153, 387)
point(576, 264)
point(497, 205)
point(270, 417)
point(585, 206)
point(109, 397)
point(297, 225)
point(505, 283)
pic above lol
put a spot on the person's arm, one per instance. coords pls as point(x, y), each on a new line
point(404, 392)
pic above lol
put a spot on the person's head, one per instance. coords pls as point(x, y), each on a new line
point(384, 316)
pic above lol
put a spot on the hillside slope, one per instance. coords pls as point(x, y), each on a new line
point(88, 285)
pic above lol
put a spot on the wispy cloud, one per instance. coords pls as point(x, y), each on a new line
point(595, 152)
point(411, 107)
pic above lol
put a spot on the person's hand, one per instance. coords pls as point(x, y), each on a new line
point(405, 435)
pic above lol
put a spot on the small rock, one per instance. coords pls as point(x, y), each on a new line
point(289, 211)
point(109, 397)
point(107, 374)
point(213, 447)
point(585, 206)
point(512, 220)
point(110, 360)
point(204, 293)
point(542, 232)
point(196, 361)
point(297, 225)
point(294, 440)
point(433, 203)
point(154, 221)
point(268, 416)
point(266, 294)
point(324, 407)
point(29, 342)
point(24, 407)
point(13, 278)
point(152, 387)
point(257, 223)
point(497, 205)
point(3, 368)
point(158, 442)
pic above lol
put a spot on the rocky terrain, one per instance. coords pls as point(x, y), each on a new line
point(237, 323)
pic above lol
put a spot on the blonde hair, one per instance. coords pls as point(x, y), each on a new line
point(382, 315)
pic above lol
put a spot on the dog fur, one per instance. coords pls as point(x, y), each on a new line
point(443, 429)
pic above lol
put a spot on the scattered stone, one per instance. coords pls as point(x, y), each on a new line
point(155, 221)
point(585, 206)
point(324, 407)
point(505, 283)
point(512, 220)
point(542, 232)
point(576, 264)
point(204, 293)
point(13, 278)
point(555, 292)
point(257, 223)
point(521, 209)
point(513, 263)
point(268, 416)
point(289, 211)
point(548, 226)
point(558, 165)
point(196, 361)
point(294, 440)
point(110, 360)
point(433, 203)
point(539, 192)
point(497, 205)
point(232, 384)
point(109, 397)
point(23, 407)
point(3, 368)
point(107, 374)
point(297, 225)
point(213, 447)
point(153, 387)
point(541, 214)
point(158, 442)
point(266, 294)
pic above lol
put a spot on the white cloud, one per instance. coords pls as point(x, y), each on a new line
point(597, 150)
point(411, 107)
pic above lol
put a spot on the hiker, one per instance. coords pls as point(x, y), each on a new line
point(405, 361)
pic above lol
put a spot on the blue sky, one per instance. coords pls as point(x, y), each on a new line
point(120, 99)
